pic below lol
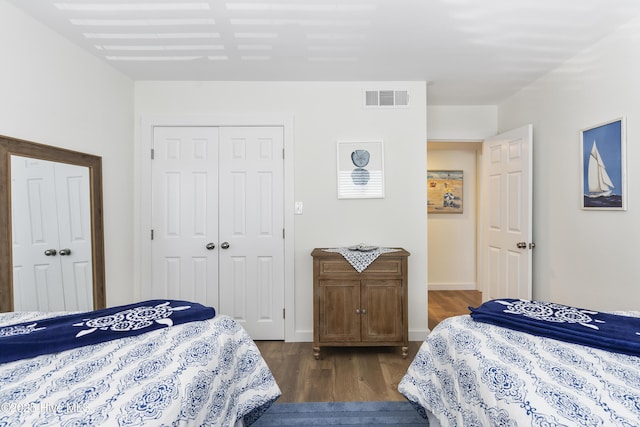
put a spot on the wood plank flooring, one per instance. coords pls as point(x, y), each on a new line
point(353, 374)
point(443, 304)
point(343, 374)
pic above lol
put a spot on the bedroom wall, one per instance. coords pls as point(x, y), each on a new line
point(586, 258)
point(461, 122)
point(54, 93)
point(324, 113)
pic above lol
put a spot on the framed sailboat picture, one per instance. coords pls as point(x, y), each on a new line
point(602, 149)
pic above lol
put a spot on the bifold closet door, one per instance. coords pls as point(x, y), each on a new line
point(217, 222)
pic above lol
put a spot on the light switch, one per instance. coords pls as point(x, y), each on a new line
point(298, 208)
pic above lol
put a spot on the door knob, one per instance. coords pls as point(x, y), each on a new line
point(65, 251)
point(211, 246)
point(521, 245)
point(224, 245)
point(50, 252)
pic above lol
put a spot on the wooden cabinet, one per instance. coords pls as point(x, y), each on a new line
point(360, 309)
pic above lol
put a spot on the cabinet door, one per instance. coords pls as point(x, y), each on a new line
point(382, 302)
point(339, 305)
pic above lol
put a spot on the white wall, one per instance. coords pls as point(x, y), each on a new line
point(54, 93)
point(452, 237)
point(461, 122)
point(586, 258)
point(323, 114)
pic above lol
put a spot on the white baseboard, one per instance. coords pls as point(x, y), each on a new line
point(452, 286)
point(302, 336)
point(418, 335)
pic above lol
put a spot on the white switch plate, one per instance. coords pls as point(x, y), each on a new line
point(298, 208)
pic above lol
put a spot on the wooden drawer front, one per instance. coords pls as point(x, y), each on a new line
point(387, 266)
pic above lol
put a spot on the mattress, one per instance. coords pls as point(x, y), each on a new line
point(207, 373)
point(468, 373)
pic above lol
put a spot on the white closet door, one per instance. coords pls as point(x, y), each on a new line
point(251, 228)
point(221, 187)
point(185, 214)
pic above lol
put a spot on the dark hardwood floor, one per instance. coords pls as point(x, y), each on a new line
point(353, 374)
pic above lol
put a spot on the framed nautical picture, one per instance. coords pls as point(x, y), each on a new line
point(603, 159)
point(444, 191)
point(360, 170)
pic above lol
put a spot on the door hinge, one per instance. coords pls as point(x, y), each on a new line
point(153, 154)
point(151, 234)
point(283, 233)
point(283, 154)
point(283, 313)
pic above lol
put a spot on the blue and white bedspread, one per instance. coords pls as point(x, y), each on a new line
point(201, 373)
point(469, 373)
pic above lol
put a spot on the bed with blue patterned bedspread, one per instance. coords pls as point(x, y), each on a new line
point(207, 372)
point(471, 373)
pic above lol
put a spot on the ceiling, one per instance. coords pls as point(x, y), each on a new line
point(471, 52)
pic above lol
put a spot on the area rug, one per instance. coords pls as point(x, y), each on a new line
point(341, 414)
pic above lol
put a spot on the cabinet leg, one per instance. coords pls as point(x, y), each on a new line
point(316, 352)
point(405, 352)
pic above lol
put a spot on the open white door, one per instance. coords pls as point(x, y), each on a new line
point(507, 215)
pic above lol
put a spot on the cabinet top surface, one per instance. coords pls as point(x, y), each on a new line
point(319, 252)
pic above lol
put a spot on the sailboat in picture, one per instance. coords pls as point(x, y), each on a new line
point(598, 180)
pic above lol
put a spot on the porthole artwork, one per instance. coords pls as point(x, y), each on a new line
point(360, 170)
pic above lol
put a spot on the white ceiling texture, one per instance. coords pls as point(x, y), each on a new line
point(472, 52)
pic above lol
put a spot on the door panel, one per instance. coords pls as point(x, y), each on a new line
point(185, 214)
point(252, 224)
point(507, 211)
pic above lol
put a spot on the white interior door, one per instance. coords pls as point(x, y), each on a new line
point(184, 260)
point(51, 229)
point(217, 220)
point(251, 228)
point(507, 214)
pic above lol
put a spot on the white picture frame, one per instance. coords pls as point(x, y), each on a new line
point(360, 167)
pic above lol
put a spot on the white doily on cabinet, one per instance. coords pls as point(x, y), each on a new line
point(360, 260)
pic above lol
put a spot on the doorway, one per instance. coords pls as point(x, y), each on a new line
point(453, 237)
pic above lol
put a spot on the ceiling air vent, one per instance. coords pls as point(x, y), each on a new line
point(386, 98)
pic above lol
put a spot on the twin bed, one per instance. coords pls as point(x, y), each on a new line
point(508, 363)
point(203, 370)
point(529, 363)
